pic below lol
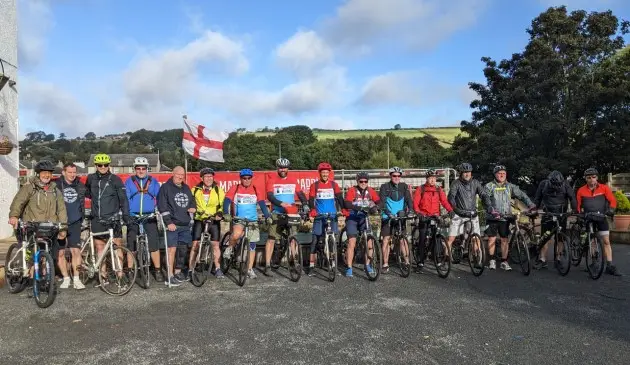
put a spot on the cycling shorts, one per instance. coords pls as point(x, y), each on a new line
point(214, 228)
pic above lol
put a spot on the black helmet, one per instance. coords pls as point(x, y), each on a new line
point(556, 178)
point(44, 165)
point(465, 167)
point(431, 172)
point(498, 168)
point(363, 175)
point(590, 171)
point(206, 171)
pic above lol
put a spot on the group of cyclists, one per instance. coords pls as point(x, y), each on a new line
point(185, 211)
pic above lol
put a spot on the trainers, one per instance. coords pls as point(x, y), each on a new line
point(159, 277)
point(227, 254)
point(493, 265)
point(349, 272)
point(76, 282)
point(419, 267)
point(310, 271)
point(267, 271)
point(385, 269)
point(251, 274)
point(219, 274)
point(505, 266)
point(540, 264)
point(65, 284)
point(173, 282)
point(612, 270)
point(180, 277)
point(369, 269)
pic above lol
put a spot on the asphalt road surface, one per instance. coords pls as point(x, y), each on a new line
point(499, 318)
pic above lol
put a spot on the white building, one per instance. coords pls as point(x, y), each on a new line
point(9, 163)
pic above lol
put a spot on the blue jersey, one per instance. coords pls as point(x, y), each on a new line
point(283, 189)
point(324, 197)
point(245, 200)
point(395, 198)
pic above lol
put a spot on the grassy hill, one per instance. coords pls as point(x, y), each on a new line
point(445, 135)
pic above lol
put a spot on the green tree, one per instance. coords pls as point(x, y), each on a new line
point(90, 136)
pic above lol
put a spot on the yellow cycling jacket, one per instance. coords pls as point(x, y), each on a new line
point(214, 204)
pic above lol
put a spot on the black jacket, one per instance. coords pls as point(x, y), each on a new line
point(74, 197)
point(108, 194)
point(553, 199)
point(463, 199)
point(174, 202)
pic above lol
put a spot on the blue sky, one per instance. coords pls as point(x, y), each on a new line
point(111, 66)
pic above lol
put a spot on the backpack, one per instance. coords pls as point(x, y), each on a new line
point(144, 190)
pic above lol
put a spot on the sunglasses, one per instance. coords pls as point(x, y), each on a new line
point(102, 165)
point(362, 181)
point(395, 176)
point(246, 178)
point(141, 168)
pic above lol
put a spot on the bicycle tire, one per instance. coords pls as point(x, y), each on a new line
point(595, 274)
point(294, 259)
point(144, 263)
point(522, 249)
point(199, 273)
point(279, 248)
point(19, 283)
point(376, 260)
point(564, 268)
point(134, 271)
point(332, 257)
point(84, 268)
point(527, 235)
point(405, 269)
point(575, 246)
point(415, 238)
point(244, 257)
point(439, 256)
point(226, 264)
point(49, 278)
point(476, 261)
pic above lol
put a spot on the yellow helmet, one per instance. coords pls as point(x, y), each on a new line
point(102, 158)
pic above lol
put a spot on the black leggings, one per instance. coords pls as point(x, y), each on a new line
point(422, 238)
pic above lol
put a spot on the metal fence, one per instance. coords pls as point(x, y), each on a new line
point(413, 177)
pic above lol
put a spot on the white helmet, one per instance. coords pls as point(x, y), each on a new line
point(140, 161)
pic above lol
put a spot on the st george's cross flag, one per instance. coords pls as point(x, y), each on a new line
point(203, 143)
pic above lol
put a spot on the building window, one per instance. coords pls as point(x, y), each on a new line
point(149, 169)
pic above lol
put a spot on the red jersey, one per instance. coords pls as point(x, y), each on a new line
point(362, 199)
point(428, 204)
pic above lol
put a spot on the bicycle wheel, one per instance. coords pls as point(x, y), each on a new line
point(199, 273)
point(226, 264)
point(294, 258)
point(561, 255)
point(13, 274)
point(401, 256)
point(123, 272)
point(332, 257)
point(575, 246)
point(476, 254)
point(415, 234)
point(243, 255)
point(594, 257)
point(279, 248)
point(44, 291)
point(440, 258)
point(144, 263)
point(519, 245)
point(375, 259)
point(85, 271)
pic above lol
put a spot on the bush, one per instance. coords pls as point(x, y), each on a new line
point(623, 204)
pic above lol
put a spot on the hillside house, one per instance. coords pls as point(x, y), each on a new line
point(123, 163)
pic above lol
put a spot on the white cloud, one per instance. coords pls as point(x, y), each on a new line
point(419, 24)
point(35, 20)
point(304, 52)
point(51, 105)
point(391, 88)
point(329, 122)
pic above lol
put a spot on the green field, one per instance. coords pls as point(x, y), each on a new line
point(445, 135)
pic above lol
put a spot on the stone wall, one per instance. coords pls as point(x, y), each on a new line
point(8, 111)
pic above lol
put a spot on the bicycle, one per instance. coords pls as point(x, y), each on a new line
point(401, 253)
point(204, 257)
point(240, 253)
point(518, 244)
point(143, 255)
point(113, 257)
point(472, 241)
point(560, 245)
point(288, 245)
point(39, 266)
point(368, 246)
point(588, 245)
point(435, 245)
point(327, 248)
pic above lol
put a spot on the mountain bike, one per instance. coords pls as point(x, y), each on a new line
point(287, 245)
point(399, 244)
point(472, 241)
point(204, 257)
point(118, 259)
point(588, 245)
point(143, 255)
point(435, 245)
point(30, 258)
point(366, 247)
point(240, 253)
point(327, 245)
point(561, 242)
point(518, 248)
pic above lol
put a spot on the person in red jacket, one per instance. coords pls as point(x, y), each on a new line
point(426, 202)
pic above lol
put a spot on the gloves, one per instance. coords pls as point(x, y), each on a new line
point(610, 212)
point(373, 210)
point(451, 214)
point(227, 218)
point(126, 219)
point(495, 214)
point(269, 220)
point(306, 209)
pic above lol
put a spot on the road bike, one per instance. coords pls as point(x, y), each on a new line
point(287, 245)
point(472, 242)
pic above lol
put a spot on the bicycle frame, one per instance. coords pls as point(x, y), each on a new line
point(95, 266)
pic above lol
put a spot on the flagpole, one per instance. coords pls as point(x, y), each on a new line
point(185, 167)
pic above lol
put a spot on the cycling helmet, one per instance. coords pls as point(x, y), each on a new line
point(498, 168)
point(206, 171)
point(283, 163)
point(590, 171)
point(44, 165)
point(556, 178)
point(246, 172)
point(102, 158)
point(465, 167)
point(396, 169)
point(431, 172)
point(324, 166)
point(363, 175)
point(140, 161)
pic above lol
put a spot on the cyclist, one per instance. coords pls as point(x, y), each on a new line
point(463, 198)
point(395, 199)
point(501, 193)
point(176, 204)
point(38, 201)
point(142, 191)
point(73, 192)
point(596, 197)
point(245, 197)
point(281, 192)
point(427, 200)
point(552, 195)
point(324, 195)
point(358, 197)
point(209, 199)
